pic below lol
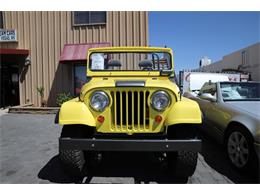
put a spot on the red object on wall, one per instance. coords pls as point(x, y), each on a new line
point(78, 52)
point(15, 51)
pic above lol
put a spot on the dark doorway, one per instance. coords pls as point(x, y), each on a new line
point(10, 85)
point(10, 67)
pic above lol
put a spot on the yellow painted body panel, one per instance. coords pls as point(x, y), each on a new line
point(184, 111)
point(107, 82)
point(108, 126)
point(75, 112)
point(79, 111)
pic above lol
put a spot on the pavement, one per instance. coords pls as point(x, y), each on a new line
point(29, 154)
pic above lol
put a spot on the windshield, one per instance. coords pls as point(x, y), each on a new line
point(141, 61)
point(240, 91)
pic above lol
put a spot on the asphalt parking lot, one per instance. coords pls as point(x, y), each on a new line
point(29, 149)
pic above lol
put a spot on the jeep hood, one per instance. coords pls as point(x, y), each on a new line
point(149, 82)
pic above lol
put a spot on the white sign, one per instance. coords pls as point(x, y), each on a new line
point(197, 80)
point(234, 77)
point(8, 35)
point(97, 61)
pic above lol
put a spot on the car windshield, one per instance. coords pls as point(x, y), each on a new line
point(240, 91)
point(129, 61)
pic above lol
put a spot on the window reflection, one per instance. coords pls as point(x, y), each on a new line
point(79, 78)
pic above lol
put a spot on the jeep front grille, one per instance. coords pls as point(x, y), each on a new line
point(130, 110)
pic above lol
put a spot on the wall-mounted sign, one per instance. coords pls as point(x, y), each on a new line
point(8, 35)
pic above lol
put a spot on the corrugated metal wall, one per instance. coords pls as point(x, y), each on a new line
point(45, 33)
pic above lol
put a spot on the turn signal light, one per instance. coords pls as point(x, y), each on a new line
point(101, 119)
point(158, 119)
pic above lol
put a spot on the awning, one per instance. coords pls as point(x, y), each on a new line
point(14, 51)
point(78, 52)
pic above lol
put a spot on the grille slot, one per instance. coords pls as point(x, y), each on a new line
point(130, 110)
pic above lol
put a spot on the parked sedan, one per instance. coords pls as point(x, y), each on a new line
point(231, 115)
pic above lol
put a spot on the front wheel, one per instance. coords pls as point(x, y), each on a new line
point(73, 161)
point(182, 163)
point(240, 149)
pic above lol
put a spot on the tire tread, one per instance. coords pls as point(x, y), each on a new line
point(72, 161)
point(183, 163)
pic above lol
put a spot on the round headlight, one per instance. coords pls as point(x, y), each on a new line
point(160, 100)
point(99, 101)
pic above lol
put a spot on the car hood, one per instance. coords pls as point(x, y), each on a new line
point(149, 82)
point(250, 107)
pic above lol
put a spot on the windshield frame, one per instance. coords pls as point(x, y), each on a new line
point(237, 83)
point(128, 72)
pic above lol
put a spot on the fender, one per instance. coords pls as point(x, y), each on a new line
point(251, 123)
point(184, 111)
point(75, 112)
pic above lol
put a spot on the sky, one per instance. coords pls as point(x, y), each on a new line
point(193, 35)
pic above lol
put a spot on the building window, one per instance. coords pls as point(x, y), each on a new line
point(79, 77)
point(1, 20)
point(81, 18)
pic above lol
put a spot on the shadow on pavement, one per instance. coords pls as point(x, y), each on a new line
point(141, 167)
point(215, 157)
point(53, 172)
point(145, 168)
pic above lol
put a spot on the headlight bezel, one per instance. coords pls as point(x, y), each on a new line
point(163, 93)
point(104, 94)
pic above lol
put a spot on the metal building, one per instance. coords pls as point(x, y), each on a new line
point(49, 49)
point(243, 60)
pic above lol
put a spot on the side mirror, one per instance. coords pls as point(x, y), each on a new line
point(165, 72)
point(208, 96)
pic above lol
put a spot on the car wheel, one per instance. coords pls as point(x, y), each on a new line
point(182, 163)
point(240, 149)
point(72, 161)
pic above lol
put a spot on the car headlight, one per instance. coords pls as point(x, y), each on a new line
point(160, 100)
point(99, 101)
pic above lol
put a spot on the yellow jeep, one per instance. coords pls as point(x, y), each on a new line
point(130, 102)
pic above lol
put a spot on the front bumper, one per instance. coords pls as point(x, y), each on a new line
point(257, 150)
point(141, 145)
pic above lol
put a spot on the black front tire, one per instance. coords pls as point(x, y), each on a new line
point(72, 161)
point(182, 163)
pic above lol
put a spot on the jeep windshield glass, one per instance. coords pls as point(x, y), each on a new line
point(240, 91)
point(141, 61)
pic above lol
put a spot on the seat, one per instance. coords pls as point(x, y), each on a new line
point(146, 65)
point(116, 63)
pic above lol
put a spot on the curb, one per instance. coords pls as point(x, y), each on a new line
point(33, 110)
